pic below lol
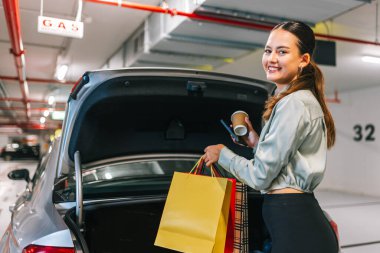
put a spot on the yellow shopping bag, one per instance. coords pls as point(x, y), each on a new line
point(195, 215)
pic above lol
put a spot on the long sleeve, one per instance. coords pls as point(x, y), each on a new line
point(279, 141)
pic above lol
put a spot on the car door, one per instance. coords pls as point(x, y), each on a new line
point(27, 194)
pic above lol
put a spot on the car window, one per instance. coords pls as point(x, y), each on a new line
point(125, 179)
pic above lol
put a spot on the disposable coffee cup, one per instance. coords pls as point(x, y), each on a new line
point(238, 123)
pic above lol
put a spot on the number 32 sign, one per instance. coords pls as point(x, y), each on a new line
point(367, 134)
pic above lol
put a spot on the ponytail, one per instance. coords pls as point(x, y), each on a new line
point(320, 95)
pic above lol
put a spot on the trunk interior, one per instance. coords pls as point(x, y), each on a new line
point(131, 226)
point(155, 116)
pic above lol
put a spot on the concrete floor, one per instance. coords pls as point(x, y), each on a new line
point(358, 217)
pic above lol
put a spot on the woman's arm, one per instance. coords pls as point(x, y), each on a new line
point(289, 126)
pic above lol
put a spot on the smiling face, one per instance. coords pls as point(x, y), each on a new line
point(282, 58)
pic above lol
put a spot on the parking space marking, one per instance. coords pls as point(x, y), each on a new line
point(352, 205)
point(359, 244)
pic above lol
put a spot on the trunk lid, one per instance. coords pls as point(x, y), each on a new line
point(113, 113)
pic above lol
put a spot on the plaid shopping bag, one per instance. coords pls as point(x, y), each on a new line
point(241, 219)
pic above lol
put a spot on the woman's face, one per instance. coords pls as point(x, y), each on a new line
point(282, 58)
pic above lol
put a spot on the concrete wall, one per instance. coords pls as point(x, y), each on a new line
point(248, 61)
point(354, 165)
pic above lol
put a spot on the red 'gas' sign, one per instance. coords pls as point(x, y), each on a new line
point(62, 27)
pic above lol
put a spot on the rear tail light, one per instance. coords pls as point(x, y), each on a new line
point(333, 225)
point(335, 228)
point(47, 249)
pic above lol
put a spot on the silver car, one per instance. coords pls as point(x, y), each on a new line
point(102, 187)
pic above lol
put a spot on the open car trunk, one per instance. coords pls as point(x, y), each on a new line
point(157, 112)
point(122, 226)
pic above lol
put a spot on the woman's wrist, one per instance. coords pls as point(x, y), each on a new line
point(254, 143)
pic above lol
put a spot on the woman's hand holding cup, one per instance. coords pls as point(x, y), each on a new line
point(243, 128)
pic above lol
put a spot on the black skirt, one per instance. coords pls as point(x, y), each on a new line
point(296, 224)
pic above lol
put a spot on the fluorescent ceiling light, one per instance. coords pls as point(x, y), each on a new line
point(58, 115)
point(371, 59)
point(51, 100)
point(61, 72)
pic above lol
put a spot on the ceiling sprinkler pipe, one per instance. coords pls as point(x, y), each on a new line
point(30, 125)
point(30, 101)
point(175, 12)
point(220, 20)
point(37, 80)
point(41, 109)
point(11, 10)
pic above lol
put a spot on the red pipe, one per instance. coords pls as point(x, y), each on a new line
point(224, 21)
point(37, 80)
point(34, 126)
point(175, 12)
point(30, 101)
point(12, 99)
point(41, 109)
point(332, 37)
point(11, 10)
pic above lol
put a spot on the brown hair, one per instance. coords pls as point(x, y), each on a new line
point(309, 78)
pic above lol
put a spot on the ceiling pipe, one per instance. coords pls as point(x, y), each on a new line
point(174, 12)
point(30, 101)
point(37, 80)
point(41, 109)
point(11, 10)
point(31, 126)
point(225, 21)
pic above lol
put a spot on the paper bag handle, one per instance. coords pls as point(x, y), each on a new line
point(197, 169)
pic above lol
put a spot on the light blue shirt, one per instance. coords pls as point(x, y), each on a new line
point(291, 151)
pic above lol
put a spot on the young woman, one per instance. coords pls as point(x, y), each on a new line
point(290, 154)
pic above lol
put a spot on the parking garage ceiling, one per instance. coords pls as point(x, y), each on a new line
point(218, 36)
